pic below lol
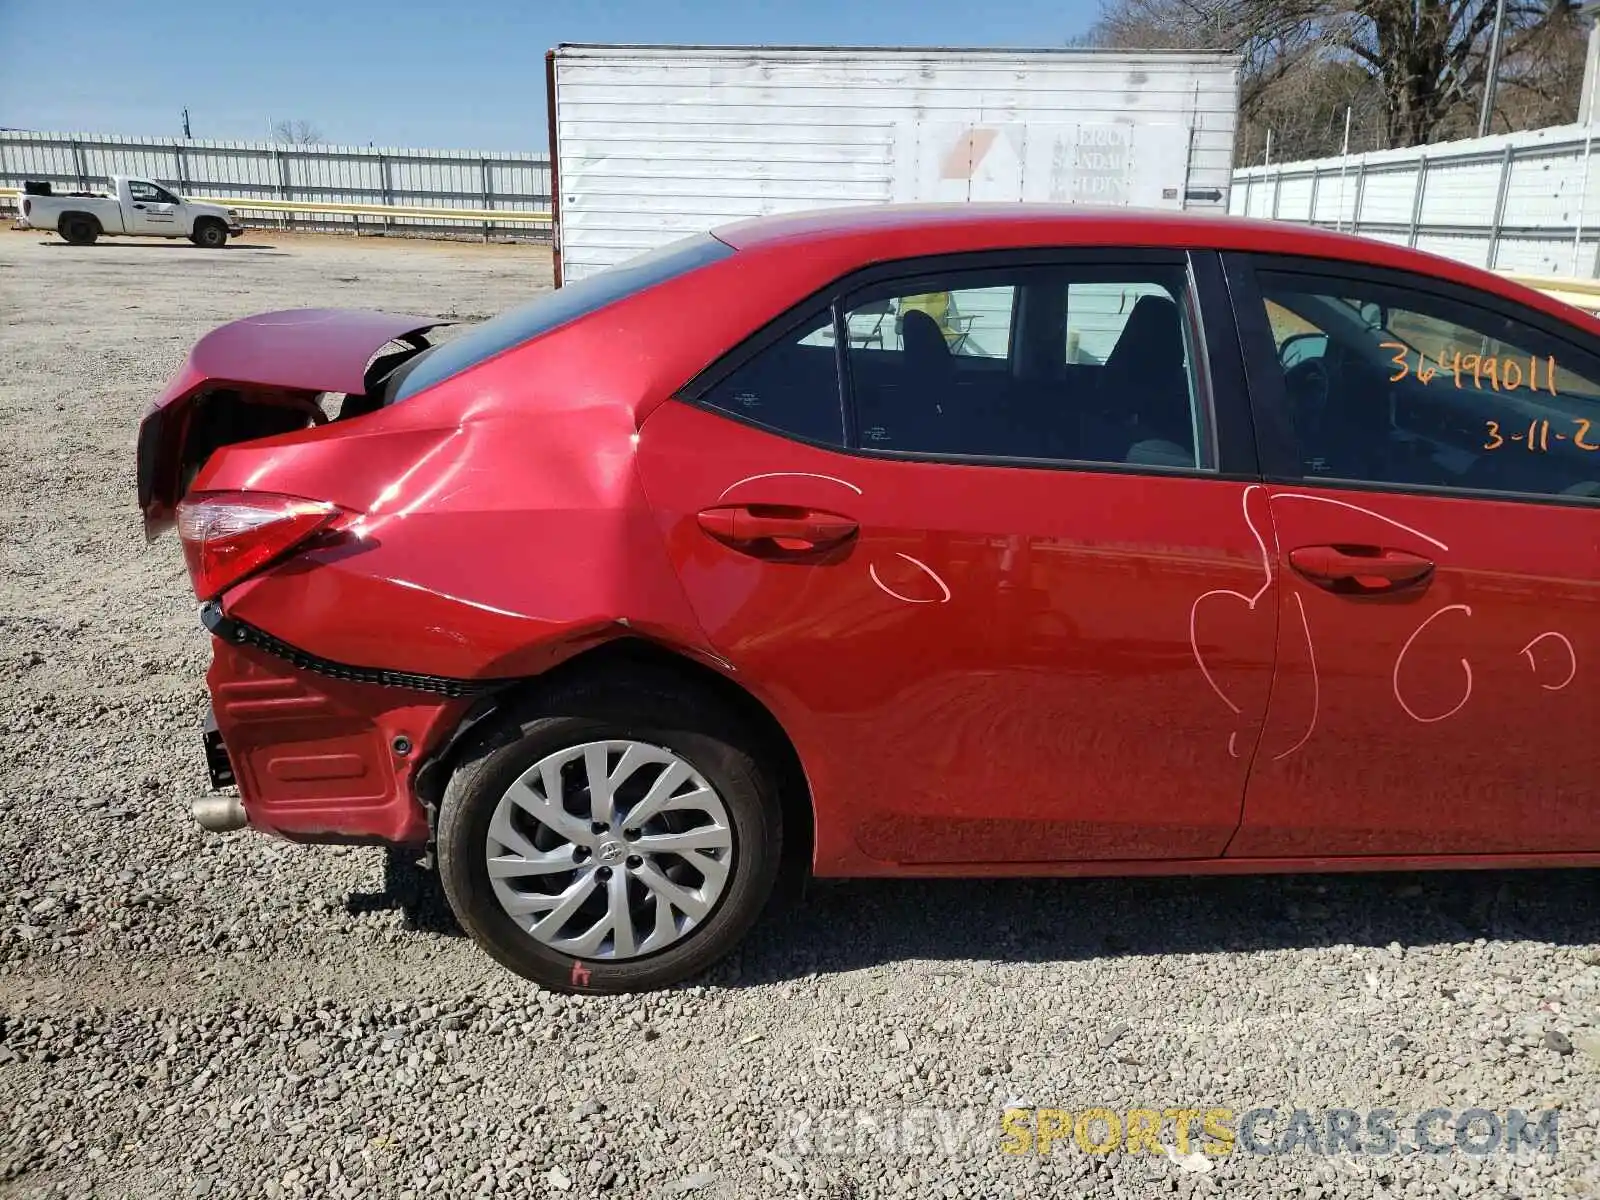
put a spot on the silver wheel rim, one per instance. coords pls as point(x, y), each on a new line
point(609, 850)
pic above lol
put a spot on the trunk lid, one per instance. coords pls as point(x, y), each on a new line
point(262, 376)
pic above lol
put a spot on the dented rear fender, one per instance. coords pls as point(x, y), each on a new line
point(255, 378)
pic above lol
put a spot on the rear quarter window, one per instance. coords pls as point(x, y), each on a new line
point(557, 308)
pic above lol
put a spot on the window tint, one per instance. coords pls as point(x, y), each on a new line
point(553, 309)
point(792, 386)
point(1084, 363)
point(1390, 385)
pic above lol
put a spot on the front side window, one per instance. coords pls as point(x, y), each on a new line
point(149, 193)
point(1076, 363)
point(1391, 385)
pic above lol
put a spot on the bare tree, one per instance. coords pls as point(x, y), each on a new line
point(301, 133)
point(1542, 82)
point(1272, 36)
point(1429, 57)
point(1408, 71)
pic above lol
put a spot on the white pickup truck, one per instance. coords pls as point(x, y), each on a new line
point(136, 207)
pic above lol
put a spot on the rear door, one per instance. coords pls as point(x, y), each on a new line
point(1004, 590)
point(151, 209)
point(1433, 460)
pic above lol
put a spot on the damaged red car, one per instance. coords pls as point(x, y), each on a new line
point(900, 541)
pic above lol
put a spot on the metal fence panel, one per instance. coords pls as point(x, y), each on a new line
point(1525, 202)
point(475, 179)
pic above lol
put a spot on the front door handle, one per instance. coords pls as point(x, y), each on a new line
point(1361, 570)
point(140, 207)
point(780, 527)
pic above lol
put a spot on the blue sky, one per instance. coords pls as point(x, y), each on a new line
point(457, 73)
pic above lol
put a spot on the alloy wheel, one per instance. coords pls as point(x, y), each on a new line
point(610, 850)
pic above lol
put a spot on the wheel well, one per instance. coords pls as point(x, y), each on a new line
point(208, 219)
point(618, 660)
point(75, 215)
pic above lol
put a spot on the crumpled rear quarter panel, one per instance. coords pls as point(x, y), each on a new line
point(503, 528)
point(490, 546)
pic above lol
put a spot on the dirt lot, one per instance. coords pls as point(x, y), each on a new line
point(184, 1015)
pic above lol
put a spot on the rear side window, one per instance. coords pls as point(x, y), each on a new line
point(790, 387)
point(1090, 363)
point(557, 308)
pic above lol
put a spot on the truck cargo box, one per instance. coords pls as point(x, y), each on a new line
point(650, 143)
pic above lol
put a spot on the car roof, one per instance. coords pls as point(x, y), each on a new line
point(906, 230)
point(1011, 225)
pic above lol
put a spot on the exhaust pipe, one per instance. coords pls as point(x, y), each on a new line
point(218, 814)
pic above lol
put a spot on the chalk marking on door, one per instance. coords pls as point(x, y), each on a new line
point(1250, 601)
point(1357, 508)
point(1465, 666)
point(789, 475)
point(1316, 683)
point(872, 570)
point(1571, 653)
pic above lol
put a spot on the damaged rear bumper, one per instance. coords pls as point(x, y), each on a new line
point(322, 755)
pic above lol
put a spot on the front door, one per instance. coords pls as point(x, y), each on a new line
point(1005, 607)
point(1436, 495)
point(153, 210)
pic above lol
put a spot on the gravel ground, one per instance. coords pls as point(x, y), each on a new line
point(184, 1015)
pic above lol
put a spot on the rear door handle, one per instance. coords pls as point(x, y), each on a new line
point(1361, 570)
point(769, 527)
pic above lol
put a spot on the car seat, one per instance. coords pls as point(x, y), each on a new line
point(922, 418)
point(1145, 382)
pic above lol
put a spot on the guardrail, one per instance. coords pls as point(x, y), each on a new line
point(497, 216)
point(1580, 293)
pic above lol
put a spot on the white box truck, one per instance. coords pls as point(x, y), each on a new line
point(650, 143)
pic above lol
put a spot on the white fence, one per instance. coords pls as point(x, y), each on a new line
point(350, 175)
point(1525, 203)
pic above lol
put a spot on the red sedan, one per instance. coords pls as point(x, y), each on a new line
point(901, 541)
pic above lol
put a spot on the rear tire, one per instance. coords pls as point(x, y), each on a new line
point(79, 231)
point(210, 234)
point(706, 746)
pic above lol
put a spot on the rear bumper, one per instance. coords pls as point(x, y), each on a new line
point(321, 759)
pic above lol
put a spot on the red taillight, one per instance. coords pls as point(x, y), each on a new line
point(229, 535)
point(27, 206)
